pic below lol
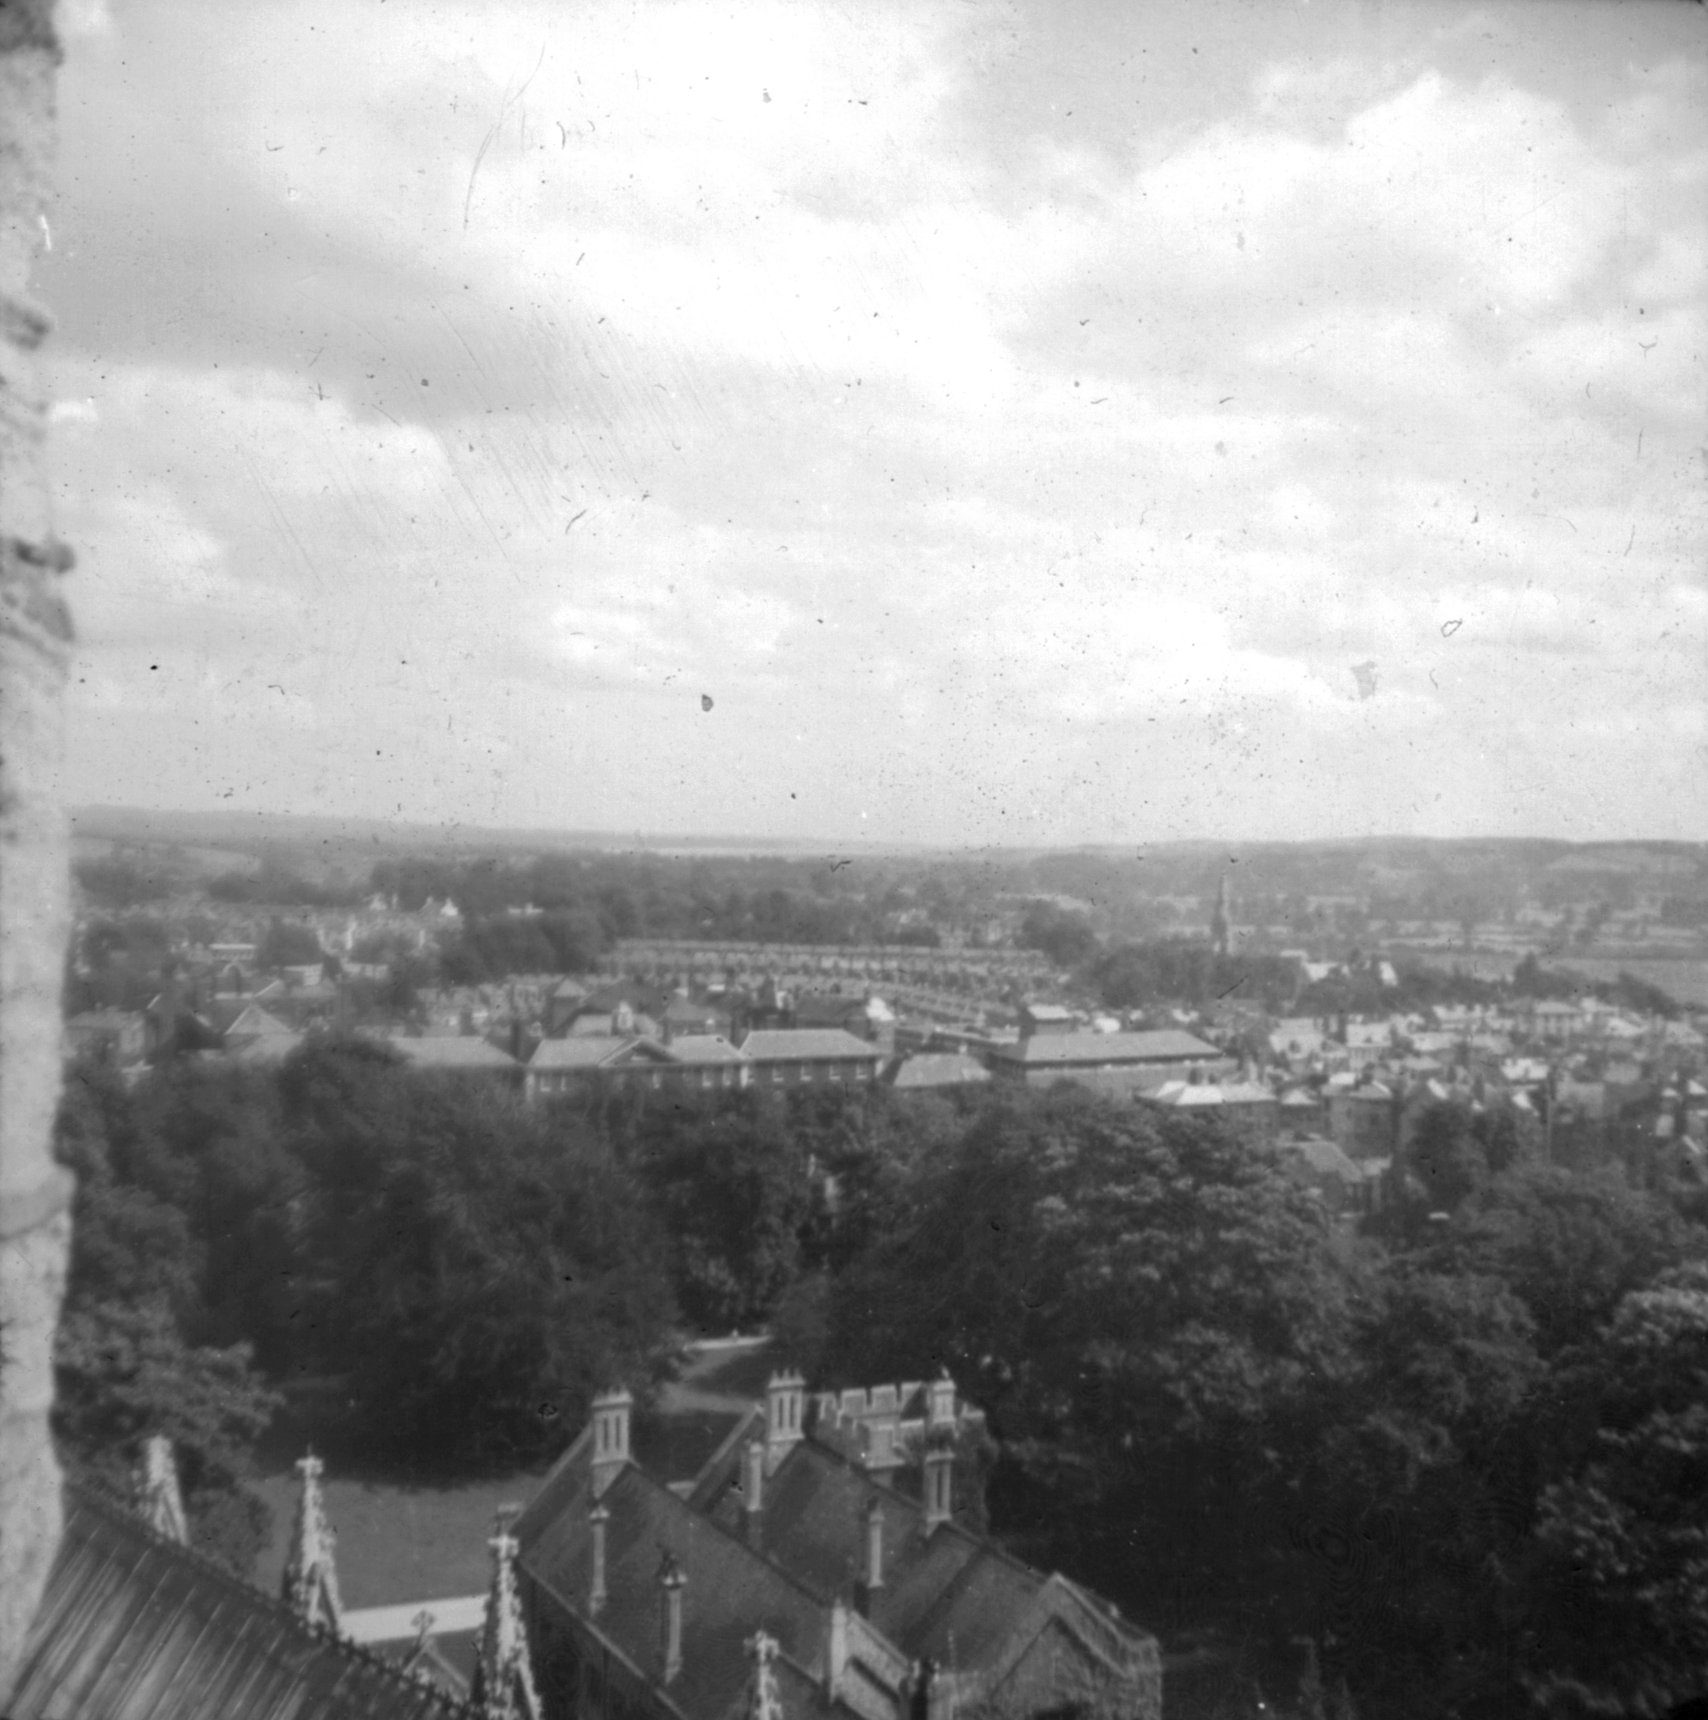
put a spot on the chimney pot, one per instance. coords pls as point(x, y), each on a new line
point(874, 1544)
point(671, 1583)
point(753, 1488)
point(598, 1594)
point(939, 1486)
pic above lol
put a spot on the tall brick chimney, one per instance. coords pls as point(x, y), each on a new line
point(939, 1485)
point(753, 1490)
point(872, 1578)
point(671, 1583)
point(598, 1593)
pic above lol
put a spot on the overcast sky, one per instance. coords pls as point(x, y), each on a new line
point(1022, 423)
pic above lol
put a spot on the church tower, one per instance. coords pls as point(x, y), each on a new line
point(1221, 920)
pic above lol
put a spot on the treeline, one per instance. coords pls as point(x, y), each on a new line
point(1462, 1453)
point(728, 898)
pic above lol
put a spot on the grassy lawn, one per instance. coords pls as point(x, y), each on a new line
point(397, 1542)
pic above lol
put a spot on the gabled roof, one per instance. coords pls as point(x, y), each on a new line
point(607, 1051)
point(819, 1044)
point(1165, 1045)
point(636, 993)
point(253, 1020)
point(693, 1048)
point(453, 1052)
point(947, 1595)
point(136, 1627)
point(927, 1069)
point(1324, 1157)
point(730, 1590)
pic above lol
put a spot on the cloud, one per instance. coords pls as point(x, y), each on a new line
point(490, 387)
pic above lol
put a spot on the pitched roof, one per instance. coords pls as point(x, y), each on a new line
point(926, 1069)
point(453, 1052)
point(1165, 1045)
point(1325, 1158)
point(704, 1048)
point(589, 1052)
point(136, 1627)
point(819, 1044)
point(730, 1591)
point(947, 1595)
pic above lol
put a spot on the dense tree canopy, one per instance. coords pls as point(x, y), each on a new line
point(1456, 1451)
point(474, 1277)
point(132, 1356)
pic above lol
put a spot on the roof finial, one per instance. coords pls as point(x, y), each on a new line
point(763, 1701)
point(157, 1497)
point(311, 1578)
point(504, 1675)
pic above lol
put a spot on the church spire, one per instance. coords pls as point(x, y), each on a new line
point(1222, 920)
point(311, 1578)
point(504, 1677)
point(157, 1497)
point(763, 1701)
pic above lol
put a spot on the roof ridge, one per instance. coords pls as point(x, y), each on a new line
point(729, 1535)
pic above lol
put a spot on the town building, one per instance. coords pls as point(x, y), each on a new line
point(810, 1056)
point(831, 1526)
point(703, 1062)
point(1113, 1062)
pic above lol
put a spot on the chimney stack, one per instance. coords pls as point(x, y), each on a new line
point(939, 1486)
point(785, 1395)
point(941, 1411)
point(753, 1489)
point(874, 1577)
point(671, 1583)
point(610, 1437)
point(598, 1594)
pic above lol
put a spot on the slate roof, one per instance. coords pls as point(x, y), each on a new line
point(136, 1627)
point(947, 1594)
point(1165, 1045)
point(608, 1050)
point(587, 1052)
point(795, 1044)
point(928, 1069)
point(704, 1048)
point(1325, 1158)
point(460, 1051)
point(730, 1592)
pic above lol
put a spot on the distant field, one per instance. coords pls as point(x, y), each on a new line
point(1685, 980)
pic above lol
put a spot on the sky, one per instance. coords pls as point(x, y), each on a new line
point(945, 423)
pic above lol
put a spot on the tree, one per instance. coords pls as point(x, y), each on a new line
point(1621, 1574)
point(1065, 937)
point(124, 1371)
point(287, 943)
point(1570, 1244)
point(125, 1367)
point(731, 1184)
point(1144, 1307)
point(473, 1276)
point(1417, 1490)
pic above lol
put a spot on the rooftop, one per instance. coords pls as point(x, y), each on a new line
point(136, 1627)
point(1165, 1045)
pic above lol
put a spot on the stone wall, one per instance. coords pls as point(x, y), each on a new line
point(34, 910)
